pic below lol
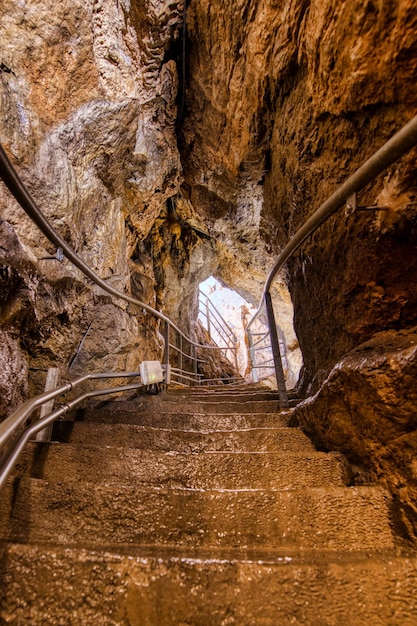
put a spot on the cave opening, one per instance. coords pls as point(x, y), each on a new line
point(222, 309)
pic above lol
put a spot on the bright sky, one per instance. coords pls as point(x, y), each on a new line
point(228, 302)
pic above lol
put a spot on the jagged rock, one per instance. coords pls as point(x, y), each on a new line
point(88, 119)
point(367, 408)
point(13, 374)
point(284, 102)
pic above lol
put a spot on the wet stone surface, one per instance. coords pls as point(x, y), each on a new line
point(147, 517)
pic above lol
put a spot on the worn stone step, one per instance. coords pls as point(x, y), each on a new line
point(77, 586)
point(221, 396)
point(216, 470)
point(333, 518)
point(154, 404)
point(216, 392)
point(185, 420)
point(150, 438)
point(214, 389)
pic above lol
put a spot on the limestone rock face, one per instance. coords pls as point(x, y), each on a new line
point(366, 408)
point(284, 102)
point(88, 116)
point(13, 367)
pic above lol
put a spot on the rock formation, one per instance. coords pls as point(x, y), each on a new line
point(88, 117)
point(282, 101)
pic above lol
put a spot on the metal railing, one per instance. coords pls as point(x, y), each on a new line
point(181, 375)
point(403, 141)
point(218, 328)
point(259, 344)
point(14, 427)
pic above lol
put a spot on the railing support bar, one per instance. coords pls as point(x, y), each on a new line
point(195, 364)
point(52, 379)
point(235, 353)
point(181, 353)
point(166, 349)
point(252, 356)
point(283, 398)
point(208, 317)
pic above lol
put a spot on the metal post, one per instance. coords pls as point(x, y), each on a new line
point(235, 346)
point(166, 350)
point(180, 353)
point(252, 356)
point(208, 316)
point(52, 379)
point(283, 398)
point(195, 364)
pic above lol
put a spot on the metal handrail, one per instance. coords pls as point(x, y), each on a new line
point(184, 377)
point(17, 188)
point(224, 331)
point(11, 456)
point(219, 330)
point(9, 426)
point(256, 343)
point(218, 315)
point(396, 147)
point(188, 356)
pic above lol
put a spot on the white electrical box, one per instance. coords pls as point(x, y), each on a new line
point(151, 372)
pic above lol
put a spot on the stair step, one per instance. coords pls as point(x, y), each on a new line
point(221, 396)
point(333, 518)
point(184, 420)
point(155, 404)
point(87, 587)
point(240, 389)
point(233, 388)
point(149, 438)
point(217, 470)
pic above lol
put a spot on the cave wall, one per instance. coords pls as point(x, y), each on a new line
point(88, 110)
point(284, 101)
point(289, 98)
point(89, 94)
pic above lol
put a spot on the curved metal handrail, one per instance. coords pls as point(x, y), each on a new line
point(216, 321)
point(391, 151)
point(9, 426)
point(18, 189)
point(12, 454)
point(216, 313)
point(403, 141)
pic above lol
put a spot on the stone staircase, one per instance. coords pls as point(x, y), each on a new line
point(197, 507)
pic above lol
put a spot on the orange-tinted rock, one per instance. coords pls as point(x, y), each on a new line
point(367, 408)
point(291, 99)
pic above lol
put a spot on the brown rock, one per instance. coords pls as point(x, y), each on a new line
point(13, 369)
point(287, 101)
point(366, 408)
